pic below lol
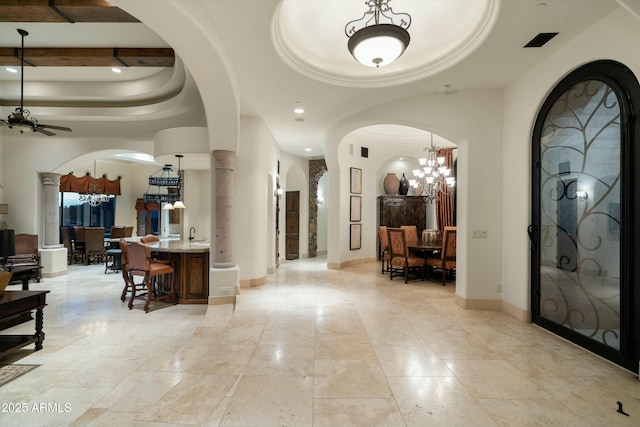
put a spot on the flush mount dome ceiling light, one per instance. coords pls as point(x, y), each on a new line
point(380, 36)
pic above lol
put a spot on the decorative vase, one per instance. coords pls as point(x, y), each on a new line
point(391, 184)
point(404, 186)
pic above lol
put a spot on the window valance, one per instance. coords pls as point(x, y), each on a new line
point(87, 184)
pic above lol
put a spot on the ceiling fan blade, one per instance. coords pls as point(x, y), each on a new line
point(40, 125)
point(45, 132)
point(3, 122)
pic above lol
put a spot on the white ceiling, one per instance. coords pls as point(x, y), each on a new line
point(288, 54)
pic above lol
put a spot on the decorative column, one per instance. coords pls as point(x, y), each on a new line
point(51, 193)
point(317, 168)
point(53, 255)
point(224, 281)
point(223, 170)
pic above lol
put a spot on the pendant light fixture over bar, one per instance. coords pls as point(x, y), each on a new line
point(380, 36)
point(178, 203)
point(164, 178)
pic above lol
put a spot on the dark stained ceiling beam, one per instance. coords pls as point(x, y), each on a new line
point(89, 57)
point(62, 11)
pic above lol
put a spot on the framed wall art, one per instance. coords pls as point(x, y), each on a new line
point(356, 209)
point(356, 181)
point(355, 237)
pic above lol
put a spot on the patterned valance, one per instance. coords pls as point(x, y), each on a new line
point(87, 184)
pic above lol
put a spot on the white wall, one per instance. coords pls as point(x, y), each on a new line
point(255, 162)
point(22, 184)
point(323, 192)
point(608, 39)
point(197, 195)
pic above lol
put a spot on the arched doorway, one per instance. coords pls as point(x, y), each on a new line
point(584, 253)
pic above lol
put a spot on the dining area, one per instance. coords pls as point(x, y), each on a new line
point(431, 256)
point(86, 245)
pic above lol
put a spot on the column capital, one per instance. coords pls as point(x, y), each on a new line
point(50, 178)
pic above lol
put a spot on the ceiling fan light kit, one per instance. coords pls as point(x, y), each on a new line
point(380, 36)
point(20, 117)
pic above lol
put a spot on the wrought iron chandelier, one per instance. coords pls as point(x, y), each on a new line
point(94, 195)
point(380, 36)
point(433, 177)
point(166, 178)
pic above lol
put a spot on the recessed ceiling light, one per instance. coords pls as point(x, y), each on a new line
point(298, 110)
point(116, 70)
point(307, 149)
point(11, 70)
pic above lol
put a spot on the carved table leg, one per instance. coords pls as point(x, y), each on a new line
point(39, 324)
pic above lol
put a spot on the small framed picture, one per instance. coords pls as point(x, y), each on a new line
point(355, 237)
point(356, 181)
point(356, 209)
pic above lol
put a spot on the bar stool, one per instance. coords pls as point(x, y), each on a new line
point(141, 264)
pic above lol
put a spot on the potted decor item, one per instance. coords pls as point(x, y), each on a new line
point(391, 184)
point(404, 186)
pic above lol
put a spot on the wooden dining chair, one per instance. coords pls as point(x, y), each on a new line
point(78, 237)
point(72, 252)
point(140, 264)
point(117, 232)
point(401, 261)
point(411, 234)
point(94, 244)
point(385, 256)
point(446, 262)
point(136, 290)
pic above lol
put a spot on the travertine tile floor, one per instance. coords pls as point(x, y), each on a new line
point(313, 347)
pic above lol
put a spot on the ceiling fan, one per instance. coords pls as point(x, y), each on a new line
point(20, 117)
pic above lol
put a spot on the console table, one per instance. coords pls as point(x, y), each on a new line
point(24, 273)
point(16, 308)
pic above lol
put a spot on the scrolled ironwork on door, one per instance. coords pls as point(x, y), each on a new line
point(580, 173)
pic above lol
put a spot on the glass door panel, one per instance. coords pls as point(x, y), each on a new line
point(580, 207)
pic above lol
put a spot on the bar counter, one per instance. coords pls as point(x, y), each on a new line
point(191, 264)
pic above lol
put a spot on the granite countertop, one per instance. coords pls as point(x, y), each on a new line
point(179, 246)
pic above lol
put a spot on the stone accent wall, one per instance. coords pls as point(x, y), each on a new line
point(317, 168)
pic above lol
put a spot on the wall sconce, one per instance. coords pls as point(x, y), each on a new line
point(582, 196)
point(278, 193)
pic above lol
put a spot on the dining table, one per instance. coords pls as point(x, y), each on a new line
point(426, 248)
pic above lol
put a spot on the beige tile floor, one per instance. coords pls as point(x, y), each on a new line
point(312, 347)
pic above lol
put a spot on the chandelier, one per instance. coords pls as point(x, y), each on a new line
point(433, 177)
point(94, 195)
point(380, 36)
point(166, 178)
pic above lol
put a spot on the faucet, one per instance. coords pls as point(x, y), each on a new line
point(194, 233)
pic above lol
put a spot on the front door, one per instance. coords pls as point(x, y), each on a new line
point(584, 272)
point(292, 225)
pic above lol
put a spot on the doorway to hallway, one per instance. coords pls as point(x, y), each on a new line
point(292, 225)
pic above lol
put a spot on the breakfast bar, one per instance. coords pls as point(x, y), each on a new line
point(191, 264)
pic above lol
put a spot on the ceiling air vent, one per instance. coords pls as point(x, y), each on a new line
point(540, 40)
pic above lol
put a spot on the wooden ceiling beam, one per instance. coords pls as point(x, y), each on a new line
point(89, 57)
point(62, 11)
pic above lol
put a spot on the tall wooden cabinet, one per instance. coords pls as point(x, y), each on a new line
point(394, 211)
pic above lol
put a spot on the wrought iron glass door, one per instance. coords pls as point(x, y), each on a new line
point(582, 273)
